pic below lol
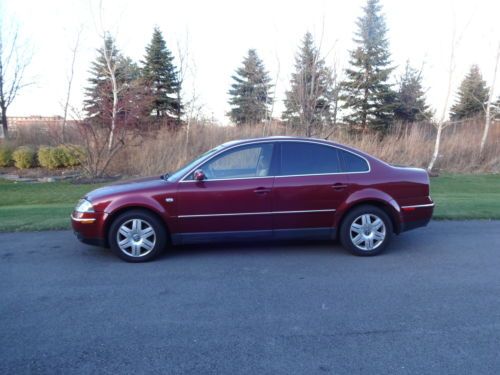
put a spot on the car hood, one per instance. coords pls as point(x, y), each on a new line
point(129, 186)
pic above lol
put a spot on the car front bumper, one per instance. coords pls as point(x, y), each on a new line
point(89, 227)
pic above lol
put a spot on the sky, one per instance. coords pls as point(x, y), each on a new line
point(213, 36)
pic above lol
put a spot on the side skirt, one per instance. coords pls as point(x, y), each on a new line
point(254, 235)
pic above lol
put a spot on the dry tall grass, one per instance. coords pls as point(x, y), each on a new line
point(157, 151)
point(410, 145)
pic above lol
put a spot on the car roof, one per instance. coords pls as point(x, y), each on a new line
point(288, 138)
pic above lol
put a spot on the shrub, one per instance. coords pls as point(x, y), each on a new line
point(24, 157)
point(60, 156)
point(5, 156)
point(44, 156)
point(73, 155)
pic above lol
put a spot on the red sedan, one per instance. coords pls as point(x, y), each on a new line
point(259, 189)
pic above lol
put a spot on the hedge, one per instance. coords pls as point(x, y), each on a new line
point(5, 156)
point(24, 157)
point(60, 156)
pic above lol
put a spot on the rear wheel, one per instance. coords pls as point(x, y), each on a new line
point(137, 236)
point(366, 230)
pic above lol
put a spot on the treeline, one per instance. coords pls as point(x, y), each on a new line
point(366, 99)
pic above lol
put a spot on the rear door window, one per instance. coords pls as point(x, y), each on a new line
point(305, 158)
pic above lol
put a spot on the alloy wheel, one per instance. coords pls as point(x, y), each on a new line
point(136, 238)
point(367, 232)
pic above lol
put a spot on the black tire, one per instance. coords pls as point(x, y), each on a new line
point(356, 215)
point(145, 219)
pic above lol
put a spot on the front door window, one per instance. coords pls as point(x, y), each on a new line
point(242, 162)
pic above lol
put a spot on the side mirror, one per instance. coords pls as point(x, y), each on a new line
point(199, 175)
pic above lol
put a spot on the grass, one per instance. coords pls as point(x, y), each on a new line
point(27, 207)
point(41, 206)
point(464, 197)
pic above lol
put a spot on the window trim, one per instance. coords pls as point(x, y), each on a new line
point(275, 147)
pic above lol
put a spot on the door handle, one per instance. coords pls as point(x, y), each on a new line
point(339, 186)
point(262, 190)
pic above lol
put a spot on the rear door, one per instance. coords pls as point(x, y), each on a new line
point(234, 199)
point(308, 189)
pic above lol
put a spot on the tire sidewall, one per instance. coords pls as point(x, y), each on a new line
point(345, 237)
point(161, 238)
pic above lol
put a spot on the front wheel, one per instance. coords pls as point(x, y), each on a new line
point(366, 230)
point(137, 236)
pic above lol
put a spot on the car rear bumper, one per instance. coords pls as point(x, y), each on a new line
point(416, 215)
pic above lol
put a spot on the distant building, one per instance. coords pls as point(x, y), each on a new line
point(44, 122)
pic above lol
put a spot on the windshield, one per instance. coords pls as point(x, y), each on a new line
point(186, 168)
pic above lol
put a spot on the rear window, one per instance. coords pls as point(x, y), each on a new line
point(354, 163)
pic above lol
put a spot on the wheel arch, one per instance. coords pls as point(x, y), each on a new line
point(389, 207)
point(119, 211)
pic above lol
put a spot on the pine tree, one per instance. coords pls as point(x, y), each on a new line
point(410, 97)
point(471, 97)
point(367, 94)
point(311, 93)
point(98, 95)
point(160, 75)
point(250, 92)
point(496, 109)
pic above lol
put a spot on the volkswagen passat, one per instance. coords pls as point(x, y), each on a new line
point(259, 189)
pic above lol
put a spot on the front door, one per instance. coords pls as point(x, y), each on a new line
point(308, 190)
point(234, 199)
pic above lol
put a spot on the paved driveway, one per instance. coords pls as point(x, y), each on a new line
point(430, 304)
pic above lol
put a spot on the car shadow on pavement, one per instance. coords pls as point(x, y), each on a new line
point(255, 247)
point(401, 244)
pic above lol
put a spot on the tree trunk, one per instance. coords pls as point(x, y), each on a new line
point(5, 128)
point(436, 147)
point(113, 114)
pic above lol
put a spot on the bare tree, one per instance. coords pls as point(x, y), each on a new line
point(70, 84)
point(267, 124)
point(124, 116)
point(186, 65)
point(111, 65)
point(13, 64)
point(489, 104)
point(442, 123)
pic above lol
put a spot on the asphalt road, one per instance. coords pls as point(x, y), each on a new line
point(429, 305)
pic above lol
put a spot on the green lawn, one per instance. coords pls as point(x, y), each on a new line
point(460, 197)
point(26, 206)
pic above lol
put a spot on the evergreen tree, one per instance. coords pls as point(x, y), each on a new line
point(367, 94)
point(308, 102)
point(160, 75)
point(410, 97)
point(250, 92)
point(471, 97)
point(496, 109)
point(98, 95)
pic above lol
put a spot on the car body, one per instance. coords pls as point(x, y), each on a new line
point(259, 189)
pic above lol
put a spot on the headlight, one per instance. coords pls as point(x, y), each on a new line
point(84, 205)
